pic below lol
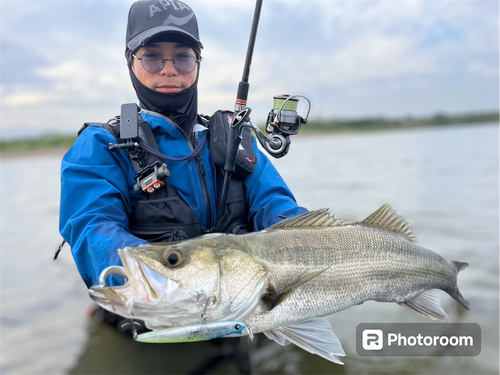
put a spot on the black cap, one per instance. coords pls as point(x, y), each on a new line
point(170, 20)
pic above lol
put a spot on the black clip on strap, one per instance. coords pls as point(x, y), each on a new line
point(129, 128)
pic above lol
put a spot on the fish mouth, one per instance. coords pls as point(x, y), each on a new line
point(112, 298)
point(142, 284)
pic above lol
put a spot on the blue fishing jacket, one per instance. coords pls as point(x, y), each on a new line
point(97, 193)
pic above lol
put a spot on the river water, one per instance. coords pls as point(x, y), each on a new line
point(445, 181)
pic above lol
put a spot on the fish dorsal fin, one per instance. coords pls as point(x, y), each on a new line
point(318, 218)
point(386, 217)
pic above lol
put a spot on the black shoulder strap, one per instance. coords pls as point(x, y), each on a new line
point(219, 125)
point(145, 134)
point(109, 126)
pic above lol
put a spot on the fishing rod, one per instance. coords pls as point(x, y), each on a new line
point(282, 121)
point(241, 113)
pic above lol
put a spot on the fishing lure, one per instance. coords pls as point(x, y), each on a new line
point(193, 332)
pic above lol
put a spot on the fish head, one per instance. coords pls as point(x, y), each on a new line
point(183, 283)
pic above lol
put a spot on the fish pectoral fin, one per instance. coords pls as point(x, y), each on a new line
point(428, 304)
point(273, 299)
point(315, 336)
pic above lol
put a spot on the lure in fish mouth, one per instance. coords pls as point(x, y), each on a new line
point(176, 285)
point(281, 281)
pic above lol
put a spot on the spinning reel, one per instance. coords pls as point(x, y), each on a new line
point(282, 122)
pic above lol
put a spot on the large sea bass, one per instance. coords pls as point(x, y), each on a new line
point(283, 280)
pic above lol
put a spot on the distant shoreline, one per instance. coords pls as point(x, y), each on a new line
point(371, 124)
point(30, 153)
point(59, 144)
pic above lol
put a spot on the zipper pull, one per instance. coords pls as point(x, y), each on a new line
point(194, 139)
point(200, 164)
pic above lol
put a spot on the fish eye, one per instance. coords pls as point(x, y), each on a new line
point(173, 258)
point(237, 327)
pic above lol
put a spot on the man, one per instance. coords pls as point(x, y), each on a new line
point(101, 211)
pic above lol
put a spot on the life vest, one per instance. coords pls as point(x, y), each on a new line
point(163, 216)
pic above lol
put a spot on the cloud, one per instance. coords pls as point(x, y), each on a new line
point(23, 98)
point(351, 58)
point(354, 51)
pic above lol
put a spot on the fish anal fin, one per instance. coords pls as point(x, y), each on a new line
point(272, 298)
point(315, 336)
point(428, 304)
point(386, 217)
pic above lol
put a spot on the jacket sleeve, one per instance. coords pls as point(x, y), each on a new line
point(95, 203)
point(268, 196)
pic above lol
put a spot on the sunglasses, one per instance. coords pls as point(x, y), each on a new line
point(154, 62)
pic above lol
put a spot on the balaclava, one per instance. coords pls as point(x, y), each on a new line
point(166, 21)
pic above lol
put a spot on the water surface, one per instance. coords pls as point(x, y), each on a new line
point(443, 180)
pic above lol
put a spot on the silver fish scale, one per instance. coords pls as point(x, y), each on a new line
point(359, 263)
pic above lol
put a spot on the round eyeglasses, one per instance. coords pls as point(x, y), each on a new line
point(153, 62)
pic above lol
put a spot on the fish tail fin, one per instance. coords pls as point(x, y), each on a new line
point(458, 297)
point(460, 265)
point(315, 336)
point(456, 293)
point(428, 304)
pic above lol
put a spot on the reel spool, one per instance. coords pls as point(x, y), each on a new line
point(283, 117)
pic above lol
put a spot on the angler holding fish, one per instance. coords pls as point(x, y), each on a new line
point(180, 221)
point(157, 173)
point(116, 191)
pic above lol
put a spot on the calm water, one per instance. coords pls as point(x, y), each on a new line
point(444, 181)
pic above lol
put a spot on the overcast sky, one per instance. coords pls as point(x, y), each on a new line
point(62, 62)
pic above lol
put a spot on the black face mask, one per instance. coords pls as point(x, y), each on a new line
point(181, 108)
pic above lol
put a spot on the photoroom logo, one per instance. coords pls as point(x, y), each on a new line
point(373, 339)
point(418, 339)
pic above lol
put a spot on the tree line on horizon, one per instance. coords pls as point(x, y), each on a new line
point(332, 125)
point(406, 122)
